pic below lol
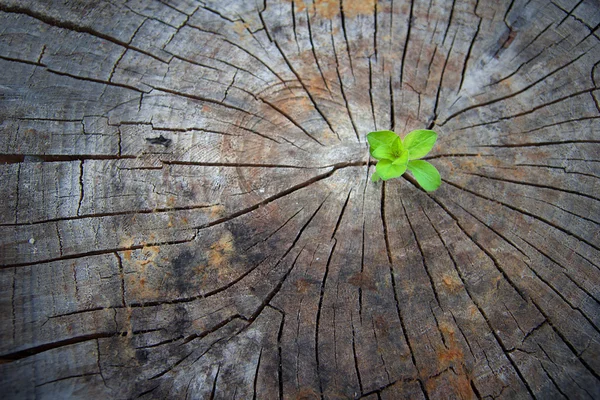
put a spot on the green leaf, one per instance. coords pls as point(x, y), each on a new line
point(380, 138)
point(419, 143)
point(375, 177)
point(400, 155)
point(398, 149)
point(383, 152)
point(426, 174)
point(390, 152)
point(387, 169)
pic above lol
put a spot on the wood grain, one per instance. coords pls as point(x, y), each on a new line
point(187, 211)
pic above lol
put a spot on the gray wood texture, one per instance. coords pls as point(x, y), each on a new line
point(187, 212)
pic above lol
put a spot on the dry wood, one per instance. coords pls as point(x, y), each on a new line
point(187, 210)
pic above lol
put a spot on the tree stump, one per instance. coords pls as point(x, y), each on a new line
point(187, 211)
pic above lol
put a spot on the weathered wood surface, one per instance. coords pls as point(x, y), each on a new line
point(187, 213)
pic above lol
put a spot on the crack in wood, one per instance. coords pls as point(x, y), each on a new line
point(345, 63)
point(393, 279)
point(371, 100)
point(28, 157)
point(337, 69)
point(525, 212)
point(433, 118)
point(576, 353)
point(255, 380)
point(517, 92)
point(28, 352)
point(72, 26)
point(470, 49)
point(541, 143)
point(306, 90)
point(481, 311)
point(78, 217)
point(405, 48)
point(67, 378)
point(282, 194)
point(314, 52)
point(422, 254)
point(318, 316)
point(96, 252)
point(356, 369)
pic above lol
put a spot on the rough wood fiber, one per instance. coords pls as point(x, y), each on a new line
point(187, 211)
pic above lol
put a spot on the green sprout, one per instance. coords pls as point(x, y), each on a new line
point(395, 156)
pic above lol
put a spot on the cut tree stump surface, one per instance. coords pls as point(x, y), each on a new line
point(187, 211)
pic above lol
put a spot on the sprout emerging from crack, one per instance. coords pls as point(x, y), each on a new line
point(395, 156)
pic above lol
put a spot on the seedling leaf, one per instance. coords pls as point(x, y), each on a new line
point(398, 149)
point(419, 143)
point(387, 169)
point(380, 138)
point(375, 177)
point(383, 152)
point(390, 152)
point(395, 156)
point(426, 174)
point(401, 156)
